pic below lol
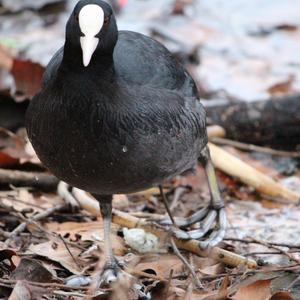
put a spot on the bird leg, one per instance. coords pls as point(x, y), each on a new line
point(166, 205)
point(111, 267)
point(207, 217)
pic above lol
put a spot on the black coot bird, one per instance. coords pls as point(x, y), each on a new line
point(117, 114)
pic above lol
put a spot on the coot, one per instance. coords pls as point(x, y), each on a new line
point(118, 114)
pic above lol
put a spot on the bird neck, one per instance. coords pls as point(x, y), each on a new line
point(101, 63)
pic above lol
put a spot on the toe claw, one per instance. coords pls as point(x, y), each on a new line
point(110, 273)
point(209, 219)
point(108, 276)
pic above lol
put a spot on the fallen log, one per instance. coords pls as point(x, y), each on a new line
point(275, 121)
point(42, 181)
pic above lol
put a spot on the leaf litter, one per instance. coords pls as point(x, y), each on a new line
point(243, 55)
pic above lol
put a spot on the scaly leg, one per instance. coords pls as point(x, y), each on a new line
point(111, 267)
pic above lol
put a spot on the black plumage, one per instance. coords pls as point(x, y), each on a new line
point(126, 122)
point(121, 128)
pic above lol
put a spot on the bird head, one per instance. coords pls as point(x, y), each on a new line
point(92, 27)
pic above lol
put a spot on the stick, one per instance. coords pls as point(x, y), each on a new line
point(215, 131)
point(47, 285)
point(126, 220)
point(233, 166)
point(33, 179)
point(289, 255)
point(187, 264)
point(37, 217)
point(165, 201)
point(254, 241)
point(250, 147)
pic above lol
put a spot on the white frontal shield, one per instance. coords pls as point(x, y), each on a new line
point(91, 18)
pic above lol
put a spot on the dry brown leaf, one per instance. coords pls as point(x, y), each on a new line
point(24, 291)
point(57, 251)
point(12, 148)
point(221, 294)
point(6, 160)
point(88, 231)
point(20, 292)
point(284, 87)
point(28, 78)
point(24, 200)
point(31, 270)
point(160, 264)
point(259, 290)
point(213, 269)
point(282, 296)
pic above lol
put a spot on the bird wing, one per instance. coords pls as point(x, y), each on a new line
point(154, 66)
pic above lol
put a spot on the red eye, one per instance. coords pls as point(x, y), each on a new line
point(106, 21)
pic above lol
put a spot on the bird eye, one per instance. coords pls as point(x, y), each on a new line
point(76, 17)
point(106, 20)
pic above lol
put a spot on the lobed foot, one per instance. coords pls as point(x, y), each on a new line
point(110, 273)
point(207, 219)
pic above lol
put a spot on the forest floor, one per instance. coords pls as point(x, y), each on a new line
point(48, 250)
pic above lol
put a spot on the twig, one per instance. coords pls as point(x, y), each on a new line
point(45, 285)
point(270, 245)
point(63, 191)
point(289, 255)
point(69, 294)
point(146, 215)
point(254, 241)
point(187, 264)
point(268, 252)
point(28, 179)
point(289, 268)
point(66, 246)
point(250, 147)
point(37, 217)
point(143, 274)
point(235, 167)
point(292, 283)
point(166, 204)
point(179, 191)
point(166, 292)
point(189, 292)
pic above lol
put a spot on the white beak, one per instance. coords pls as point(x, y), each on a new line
point(91, 18)
point(88, 46)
